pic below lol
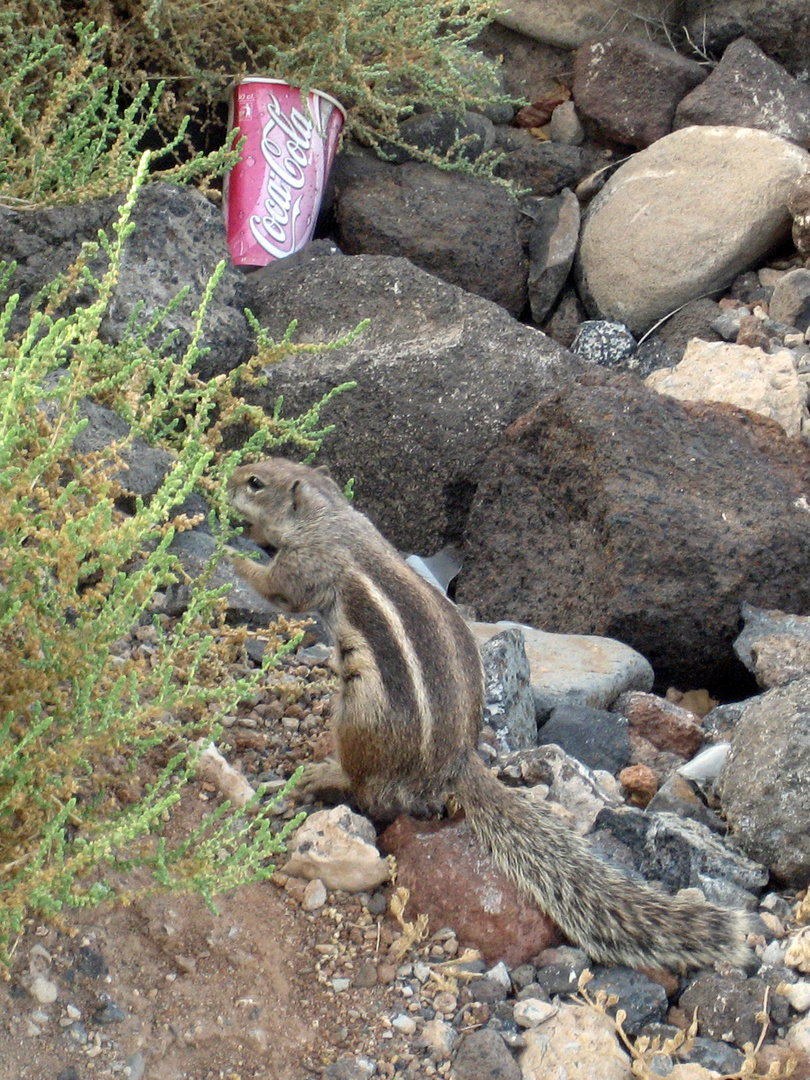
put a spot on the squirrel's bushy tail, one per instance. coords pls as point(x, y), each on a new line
point(613, 918)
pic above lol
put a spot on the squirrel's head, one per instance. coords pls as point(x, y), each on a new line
point(279, 499)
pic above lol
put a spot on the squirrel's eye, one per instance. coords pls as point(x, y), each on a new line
point(255, 484)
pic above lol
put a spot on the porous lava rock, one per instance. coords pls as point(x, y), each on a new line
point(610, 509)
point(452, 881)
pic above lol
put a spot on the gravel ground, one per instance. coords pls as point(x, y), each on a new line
point(287, 982)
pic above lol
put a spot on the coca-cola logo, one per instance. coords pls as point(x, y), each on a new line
point(285, 146)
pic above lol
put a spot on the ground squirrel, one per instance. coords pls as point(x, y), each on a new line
point(407, 719)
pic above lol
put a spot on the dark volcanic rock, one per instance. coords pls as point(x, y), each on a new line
point(748, 89)
point(461, 228)
point(178, 241)
point(763, 785)
point(780, 27)
point(440, 375)
point(727, 1006)
point(611, 510)
point(542, 168)
point(630, 88)
point(483, 1055)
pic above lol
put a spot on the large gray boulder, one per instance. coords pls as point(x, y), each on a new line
point(178, 240)
point(612, 510)
point(461, 228)
point(440, 374)
point(569, 22)
point(683, 218)
point(763, 786)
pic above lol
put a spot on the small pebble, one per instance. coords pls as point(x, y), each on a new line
point(314, 895)
point(108, 1012)
point(773, 954)
point(439, 1038)
point(406, 1025)
point(445, 1002)
point(774, 924)
point(137, 1066)
point(798, 994)
point(366, 976)
point(43, 990)
point(500, 974)
point(531, 1012)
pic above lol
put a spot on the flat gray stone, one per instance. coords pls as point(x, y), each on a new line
point(763, 787)
point(576, 669)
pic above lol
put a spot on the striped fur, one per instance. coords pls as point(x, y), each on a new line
point(407, 719)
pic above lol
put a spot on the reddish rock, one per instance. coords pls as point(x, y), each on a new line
point(612, 510)
point(752, 333)
point(640, 783)
point(630, 87)
point(454, 883)
point(666, 725)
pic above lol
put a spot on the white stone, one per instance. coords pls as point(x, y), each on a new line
point(500, 974)
point(765, 383)
point(773, 954)
point(438, 1038)
point(798, 994)
point(337, 847)
point(683, 218)
point(43, 990)
point(576, 669)
point(798, 1036)
point(314, 895)
point(531, 1012)
point(213, 767)
point(798, 952)
point(706, 765)
point(579, 1044)
point(404, 1024)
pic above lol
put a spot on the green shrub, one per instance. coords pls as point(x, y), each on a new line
point(77, 574)
point(68, 132)
point(382, 59)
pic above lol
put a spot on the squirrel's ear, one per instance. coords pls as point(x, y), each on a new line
point(323, 470)
point(301, 495)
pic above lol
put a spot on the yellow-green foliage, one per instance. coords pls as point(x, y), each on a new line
point(383, 59)
point(68, 132)
point(77, 574)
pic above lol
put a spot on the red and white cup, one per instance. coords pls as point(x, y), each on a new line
point(273, 194)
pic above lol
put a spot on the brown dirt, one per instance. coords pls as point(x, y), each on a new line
point(240, 995)
point(233, 996)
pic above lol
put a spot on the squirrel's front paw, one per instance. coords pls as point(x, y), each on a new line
point(320, 777)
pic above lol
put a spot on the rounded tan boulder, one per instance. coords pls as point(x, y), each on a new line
point(683, 218)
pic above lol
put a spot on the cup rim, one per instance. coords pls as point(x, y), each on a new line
point(285, 82)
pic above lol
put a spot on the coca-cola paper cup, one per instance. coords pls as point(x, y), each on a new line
point(273, 194)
